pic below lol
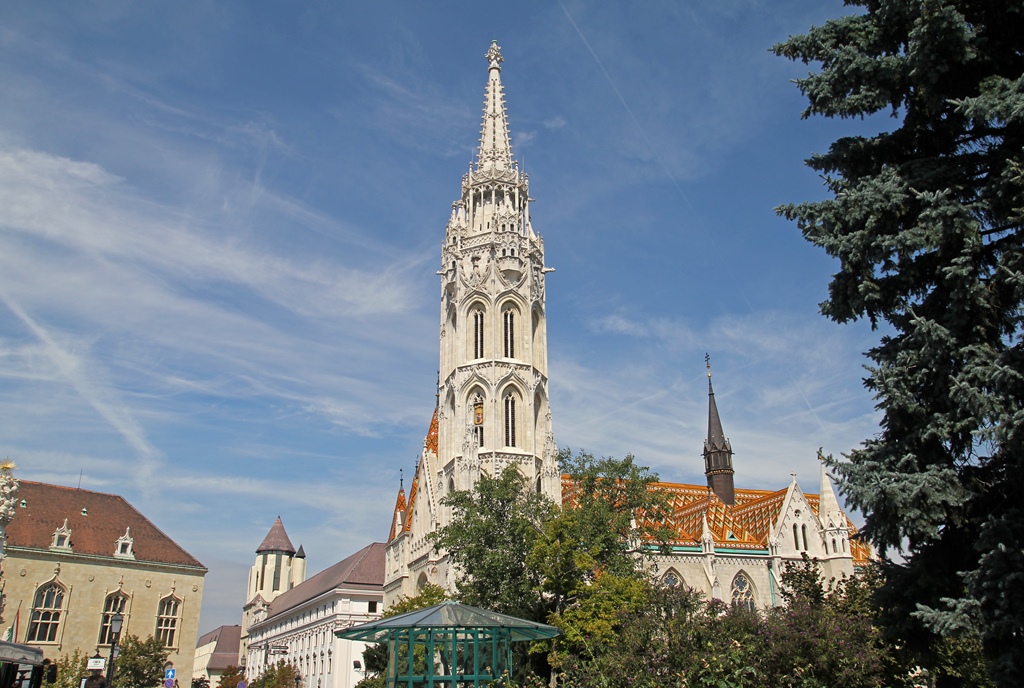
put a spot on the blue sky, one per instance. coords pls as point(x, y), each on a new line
point(220, 224)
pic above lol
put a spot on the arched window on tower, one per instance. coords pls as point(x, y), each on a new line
point(803, 531)
point(46, 611)
point(509, 333)
point(478, 334)
point(510, 420)
point(796, 538)
point(114, 604)
point(742, 592)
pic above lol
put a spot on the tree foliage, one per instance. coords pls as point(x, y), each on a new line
point(231, 676)
point(200, 682)
point(925, 219)
point(489, 538)
point(140, 663)
point(280, 675)
point(71, 669)
point(675, 636)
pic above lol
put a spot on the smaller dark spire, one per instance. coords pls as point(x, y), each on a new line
point(717, 450)
point(301, 554)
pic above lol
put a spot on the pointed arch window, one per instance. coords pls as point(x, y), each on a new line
point(47, 608)
point(670, 579)
point(478, 333)
point(743, 593)
point(115, 603)
point(803, 531)
point(510, 420)
point(796, 538)
point(167, 617)
point(509, 332)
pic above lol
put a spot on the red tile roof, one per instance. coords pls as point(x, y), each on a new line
point(96, 520)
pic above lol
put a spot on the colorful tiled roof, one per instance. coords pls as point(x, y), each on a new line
point(96, 520)
point(745, 525)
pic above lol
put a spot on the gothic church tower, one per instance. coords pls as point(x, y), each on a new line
point(492, 409)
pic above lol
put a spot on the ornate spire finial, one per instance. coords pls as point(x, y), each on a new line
point(707, 362)
point(401, 479)
point(494, 55)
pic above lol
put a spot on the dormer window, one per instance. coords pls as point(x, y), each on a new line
point(62, 538)
point(124, 544)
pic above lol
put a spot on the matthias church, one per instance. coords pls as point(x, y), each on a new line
point(493, 412)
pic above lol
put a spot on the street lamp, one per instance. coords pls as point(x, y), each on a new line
point(116, 622)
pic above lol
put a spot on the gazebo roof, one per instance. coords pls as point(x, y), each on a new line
point(450, 615)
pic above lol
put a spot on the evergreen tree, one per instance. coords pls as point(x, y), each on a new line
point(925, 220)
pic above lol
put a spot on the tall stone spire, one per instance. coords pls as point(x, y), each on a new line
point(717, 450)
point(492, 397)
point(495, 145)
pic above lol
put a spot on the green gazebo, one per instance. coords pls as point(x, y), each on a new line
point(449, 644)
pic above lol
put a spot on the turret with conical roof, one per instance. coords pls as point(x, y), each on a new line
point(717, 451)
point(278, 567)
point(277, 540)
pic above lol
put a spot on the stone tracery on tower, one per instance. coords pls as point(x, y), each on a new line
point(492, 408)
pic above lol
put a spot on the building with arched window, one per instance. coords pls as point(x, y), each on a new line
point(75, 558)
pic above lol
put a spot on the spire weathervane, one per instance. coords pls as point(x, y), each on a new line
point(494, 55)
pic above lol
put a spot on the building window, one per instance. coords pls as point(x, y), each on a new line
point(46, 610)
point(803, 530)
point(671, 579)
point(835, 548)
point(742, 593)
point(478, 334)
point(510, 420)
point(796, 538)
point(167, 621)
point(114, 604)
point(509, 318)
point(371, 606)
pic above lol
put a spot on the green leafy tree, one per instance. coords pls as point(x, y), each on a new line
point(200, 682)
point(925, 218)
point(231, 676)
point(603, 527)
point(71, 669)
point(140, 663)
point(280, 675)
point(492, 531)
